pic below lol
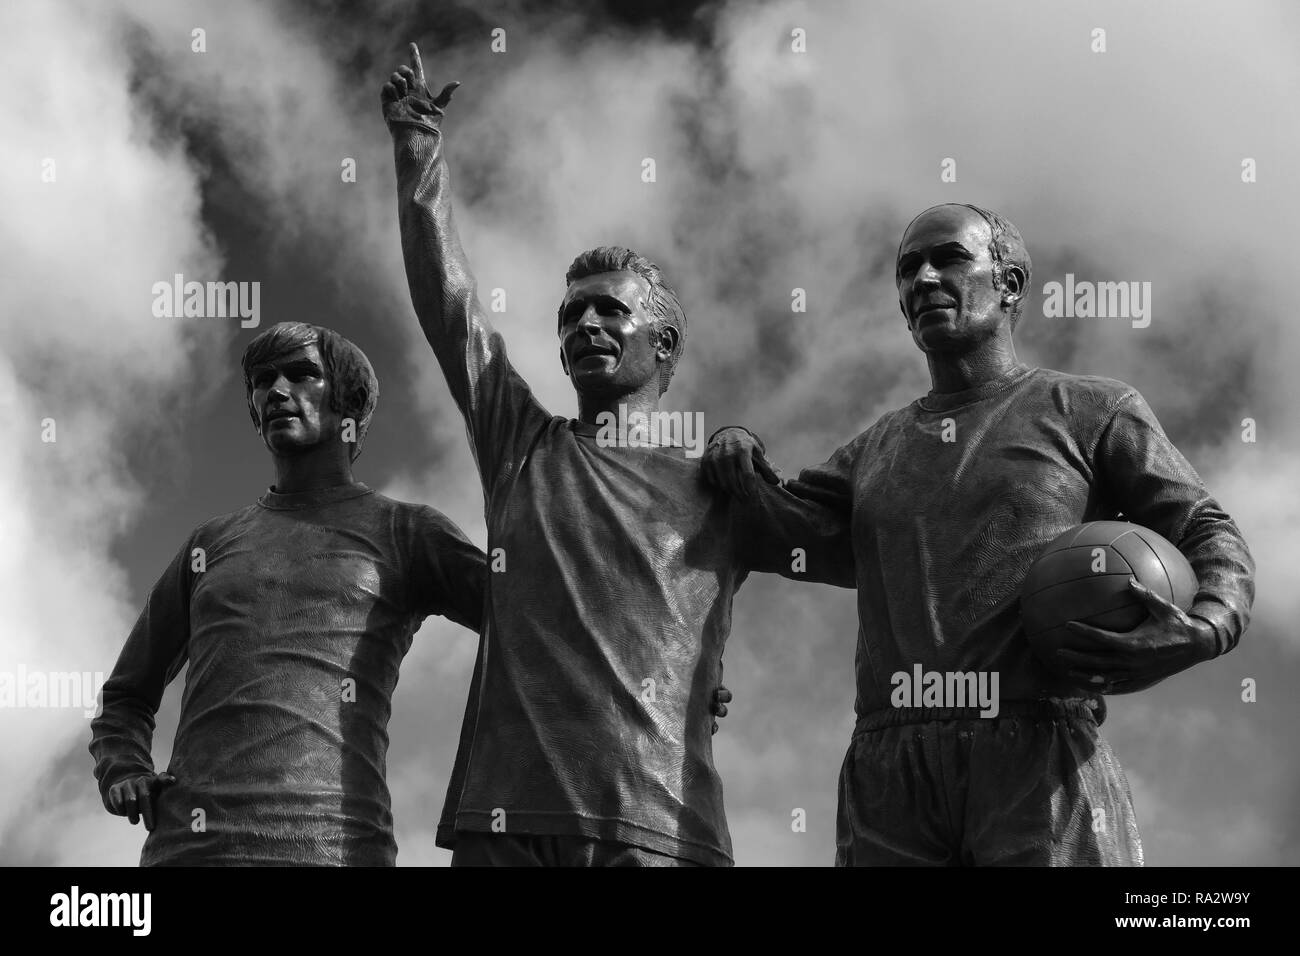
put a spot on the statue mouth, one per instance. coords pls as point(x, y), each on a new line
point(595, 351)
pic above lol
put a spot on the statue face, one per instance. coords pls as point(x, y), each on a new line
point(605, 334)
point(945, 281)
point(291, 396)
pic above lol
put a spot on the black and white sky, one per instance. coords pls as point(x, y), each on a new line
point(775, 170)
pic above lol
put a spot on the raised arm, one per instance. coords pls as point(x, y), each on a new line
point(121, 736)
point(500, 411)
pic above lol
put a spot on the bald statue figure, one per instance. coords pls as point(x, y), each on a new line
point(944, 531)
point(294, 614)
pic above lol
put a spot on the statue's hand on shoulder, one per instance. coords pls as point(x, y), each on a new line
point(406, 99)
point(734, 461)
point(135, 796)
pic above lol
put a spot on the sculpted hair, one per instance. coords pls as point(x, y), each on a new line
point(1006, 248)
point(353, 387)
point(663, 304)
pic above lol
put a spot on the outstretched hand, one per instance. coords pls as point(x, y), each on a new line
point(406, 98)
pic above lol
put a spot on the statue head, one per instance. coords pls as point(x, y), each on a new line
point(302, 382)
point(962, 274)
point(620, 323)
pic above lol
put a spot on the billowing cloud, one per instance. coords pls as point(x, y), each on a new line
point(99, 205)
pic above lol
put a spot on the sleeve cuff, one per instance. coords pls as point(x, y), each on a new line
point(1221, 643)
point(120, 770)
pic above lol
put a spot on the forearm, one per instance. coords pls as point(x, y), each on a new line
point(1152, 484)
point(780, 533)
point(1225, 574)
point(829, 484)
point(443, 291)
point(1168, 497)
point(500, 412)
point(776, 526)
point(122, 735)
point(155, 650)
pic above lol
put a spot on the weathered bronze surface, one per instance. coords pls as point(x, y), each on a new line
point(293, 614)
point(951, 499)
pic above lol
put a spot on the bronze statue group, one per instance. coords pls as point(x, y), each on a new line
point(604, 611)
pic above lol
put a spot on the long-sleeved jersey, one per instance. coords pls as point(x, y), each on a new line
point(609, 598)
point(954, 497)
point(294, 614)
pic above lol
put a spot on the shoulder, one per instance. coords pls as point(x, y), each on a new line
point(1083, 385)
point(214, 527)
point(417, 519)
point(883, 425)
point(1085, 395)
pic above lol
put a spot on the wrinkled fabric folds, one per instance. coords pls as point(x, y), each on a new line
point(294, 615)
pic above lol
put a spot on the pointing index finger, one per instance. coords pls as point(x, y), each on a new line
point(416, 65)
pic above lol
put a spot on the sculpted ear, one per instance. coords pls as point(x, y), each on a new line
point(668, 338)
point(1013, 284)
point(564, 362)
point(355, 400)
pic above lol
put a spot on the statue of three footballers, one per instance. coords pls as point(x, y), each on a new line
point(619, 567)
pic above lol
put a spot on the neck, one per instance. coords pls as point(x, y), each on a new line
point(957, 372)
point(644, 400)
point(325, 466)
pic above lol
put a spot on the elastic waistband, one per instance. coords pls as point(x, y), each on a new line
point(1048, 708)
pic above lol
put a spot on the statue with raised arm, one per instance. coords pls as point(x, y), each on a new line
point(607, 615)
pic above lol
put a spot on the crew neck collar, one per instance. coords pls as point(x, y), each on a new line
point(947, 401)
point(311, 499)
point(588, 430)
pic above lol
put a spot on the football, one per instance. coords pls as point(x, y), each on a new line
point(1083, 574)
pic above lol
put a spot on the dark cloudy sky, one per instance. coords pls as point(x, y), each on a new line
point(775, 170)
